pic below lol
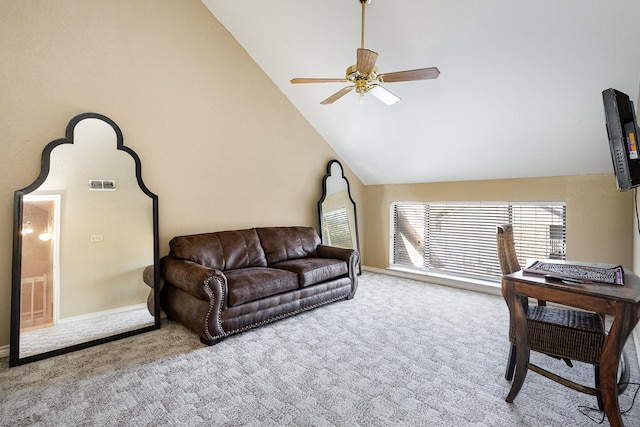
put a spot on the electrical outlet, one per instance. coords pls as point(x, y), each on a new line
point(96, 237)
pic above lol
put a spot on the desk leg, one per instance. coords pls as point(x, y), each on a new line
point(519, 319)
point(622, 326)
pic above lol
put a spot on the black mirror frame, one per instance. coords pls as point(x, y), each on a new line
point(324, 195)
point(14, 351)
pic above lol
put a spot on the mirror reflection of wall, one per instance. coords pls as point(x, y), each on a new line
point(87, 230)
point(337, 210)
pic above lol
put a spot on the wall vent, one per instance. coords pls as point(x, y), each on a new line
point(102, 185)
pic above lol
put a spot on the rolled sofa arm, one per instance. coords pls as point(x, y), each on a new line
point(196, 279)
point(351, 256)
point(194, 295)
point(148, 277)
point(325, 251)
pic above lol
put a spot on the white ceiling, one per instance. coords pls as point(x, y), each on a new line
point(519, 94)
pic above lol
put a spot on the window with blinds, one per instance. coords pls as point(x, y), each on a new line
point(460, 238)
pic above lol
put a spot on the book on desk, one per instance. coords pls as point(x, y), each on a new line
point(571, 272)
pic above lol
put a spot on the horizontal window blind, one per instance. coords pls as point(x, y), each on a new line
point(460, 238)
point(336, 228)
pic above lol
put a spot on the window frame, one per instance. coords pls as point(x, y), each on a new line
point(533, 219)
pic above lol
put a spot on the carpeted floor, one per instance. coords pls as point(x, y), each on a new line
point(401, 353)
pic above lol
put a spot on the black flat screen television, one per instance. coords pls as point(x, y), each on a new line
point(622, 130)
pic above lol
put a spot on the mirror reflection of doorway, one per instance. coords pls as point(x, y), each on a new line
point(38, 305)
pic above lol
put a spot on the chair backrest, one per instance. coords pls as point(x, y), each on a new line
point(506, 249)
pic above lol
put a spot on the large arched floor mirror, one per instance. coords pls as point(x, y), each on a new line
point(84, 231)
point(337, 210)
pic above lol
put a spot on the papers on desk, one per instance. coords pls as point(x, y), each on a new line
point(576, 272)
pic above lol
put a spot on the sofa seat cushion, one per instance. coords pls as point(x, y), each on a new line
point(314, 270)
point(253, 283)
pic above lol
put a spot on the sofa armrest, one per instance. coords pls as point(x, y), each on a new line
point(350, 256)
point(196, 279)
point(325, 251)
point(148, 277)
point(204, 284)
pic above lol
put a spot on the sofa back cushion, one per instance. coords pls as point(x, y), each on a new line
point(286, 243)
point(223, 250)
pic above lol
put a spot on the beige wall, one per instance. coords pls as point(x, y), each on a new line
point(220, 145)
point(599, 220)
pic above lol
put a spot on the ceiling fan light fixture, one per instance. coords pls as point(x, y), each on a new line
point(362, 85)
point(364, 75)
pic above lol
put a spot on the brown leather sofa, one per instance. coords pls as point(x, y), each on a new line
point(218, 284)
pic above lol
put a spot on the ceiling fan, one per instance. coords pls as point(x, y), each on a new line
point(365, 77)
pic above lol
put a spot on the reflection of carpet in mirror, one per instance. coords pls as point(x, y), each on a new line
point(83, 329)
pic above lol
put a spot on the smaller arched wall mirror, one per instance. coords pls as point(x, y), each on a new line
point(337, 210)
point(84, 231)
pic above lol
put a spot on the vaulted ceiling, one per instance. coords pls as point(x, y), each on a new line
point(519, 94)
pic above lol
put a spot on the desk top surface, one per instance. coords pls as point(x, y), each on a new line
point(629, 292)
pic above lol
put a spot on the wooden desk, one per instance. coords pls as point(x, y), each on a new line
point(622, 302)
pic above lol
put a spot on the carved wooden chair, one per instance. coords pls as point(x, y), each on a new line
point(561, 333)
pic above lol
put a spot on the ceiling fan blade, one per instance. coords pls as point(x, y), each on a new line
point(383, 94)
point(320, 80)
point(366, 61)
point(405, 76)
point(339, 94)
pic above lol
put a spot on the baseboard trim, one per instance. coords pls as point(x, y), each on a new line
point(470, 285)
point(4, 351)
point(103, 313)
